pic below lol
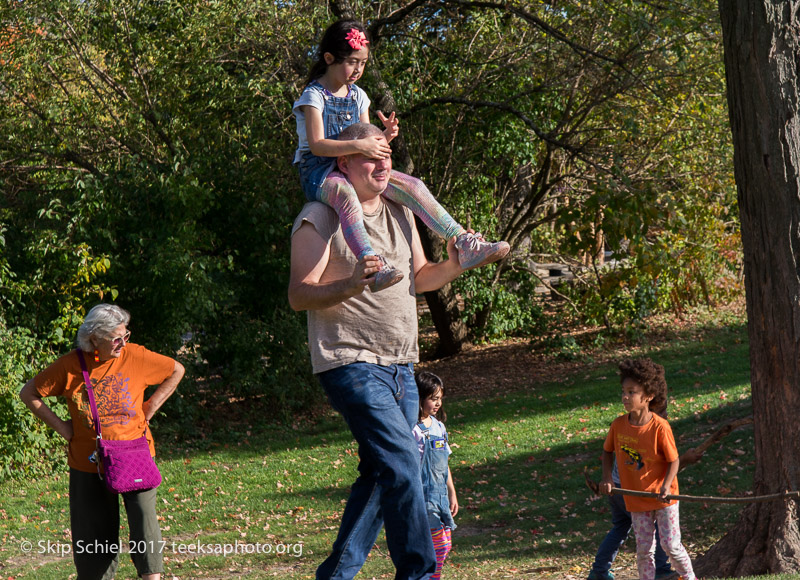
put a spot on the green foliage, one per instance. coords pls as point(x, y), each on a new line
point(613, 134)
point(671, 270)
point(263, 362)
point(150, 167)
point(146, 160)
point(27, 447)
point(561, 346)
point(510, 305)
point(623, 298)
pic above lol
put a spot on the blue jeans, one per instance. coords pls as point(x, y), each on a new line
point(621, 525)
point(380, 405)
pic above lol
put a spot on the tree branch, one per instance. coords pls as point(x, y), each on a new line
point(393, 18)
point(540, 24)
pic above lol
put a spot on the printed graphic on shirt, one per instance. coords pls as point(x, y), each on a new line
point(634, 457)
point(81, 400)
point(113, 401)
point(437, 443)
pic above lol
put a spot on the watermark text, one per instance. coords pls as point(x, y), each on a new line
point(197, 548)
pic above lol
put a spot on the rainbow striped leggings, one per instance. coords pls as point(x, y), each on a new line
point(337, 192)
point(442, 542)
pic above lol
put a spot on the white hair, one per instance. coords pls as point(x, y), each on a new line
point(100, 322)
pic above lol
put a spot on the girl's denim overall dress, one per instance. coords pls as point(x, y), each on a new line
point(434, 479)
point(339, 112)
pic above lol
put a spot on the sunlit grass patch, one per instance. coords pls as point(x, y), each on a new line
point(518, 463)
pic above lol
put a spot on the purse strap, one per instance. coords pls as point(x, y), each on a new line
point(92, 404)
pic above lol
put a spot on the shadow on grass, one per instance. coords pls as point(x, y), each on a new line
point(695, 362)
point(719, 362)
point(518, 508)
point(518, 466)
point(526, 498)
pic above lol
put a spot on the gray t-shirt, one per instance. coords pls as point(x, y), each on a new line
point(379, 328)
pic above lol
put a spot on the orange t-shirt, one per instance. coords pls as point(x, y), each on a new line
point(642, 455)
point(118, 385)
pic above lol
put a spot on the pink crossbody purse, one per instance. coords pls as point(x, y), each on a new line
point(128, 465)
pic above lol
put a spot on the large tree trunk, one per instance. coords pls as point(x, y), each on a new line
point(761, 61)
point(443, 303)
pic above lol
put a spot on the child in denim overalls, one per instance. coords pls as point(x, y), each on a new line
point(437, 481)
point(330, 102)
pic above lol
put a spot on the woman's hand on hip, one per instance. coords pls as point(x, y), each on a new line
point(66, 430)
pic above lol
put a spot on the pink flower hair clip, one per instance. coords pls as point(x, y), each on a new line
point(356, 39)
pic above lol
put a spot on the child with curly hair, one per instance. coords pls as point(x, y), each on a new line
point(647, 460)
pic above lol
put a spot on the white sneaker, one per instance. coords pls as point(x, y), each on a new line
point(385, 277)
point(474, 251)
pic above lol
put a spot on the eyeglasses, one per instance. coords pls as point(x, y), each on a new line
point(120, 339)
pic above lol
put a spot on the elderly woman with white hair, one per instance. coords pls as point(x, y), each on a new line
point(119, 372)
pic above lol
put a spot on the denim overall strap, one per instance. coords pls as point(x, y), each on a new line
point(339, 112)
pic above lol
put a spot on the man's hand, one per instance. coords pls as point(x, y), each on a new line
point(429, 276)
point(605, 487)
point(309, 259)
point(391, 124)
point(452, 251)
point(365, 268)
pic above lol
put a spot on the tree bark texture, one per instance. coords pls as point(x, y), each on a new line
point(762, 62)
point(443, 303)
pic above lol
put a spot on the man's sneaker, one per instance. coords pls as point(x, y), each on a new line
point(474, 251)
point(600, 576)
point(385, 277)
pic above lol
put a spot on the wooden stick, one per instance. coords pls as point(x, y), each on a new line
point(709, 499)
point(702, 448)
point(722, 432)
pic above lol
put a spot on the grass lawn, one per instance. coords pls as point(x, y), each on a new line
point(275, 494)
